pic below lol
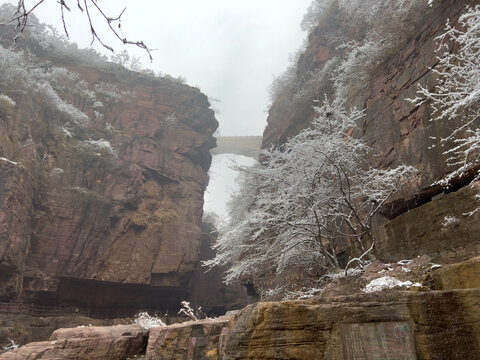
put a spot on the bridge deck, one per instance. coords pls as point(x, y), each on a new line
point(240, 145)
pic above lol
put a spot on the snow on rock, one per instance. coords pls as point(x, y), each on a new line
point(8, 161)
point(146, 321)
point(387, 282)
point(7, 100)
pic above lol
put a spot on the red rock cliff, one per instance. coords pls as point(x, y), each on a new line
point(100, 228)
point(397, 130)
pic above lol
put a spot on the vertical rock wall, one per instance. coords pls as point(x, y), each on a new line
point(69, 212)
point(398, 131)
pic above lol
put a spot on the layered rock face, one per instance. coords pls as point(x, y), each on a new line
point(95, 343)
point(398, 325)
point(104, 224)
point(392, 325)
point(398, 131)
point(420, 219)
point(439, 229)
point(193, 340)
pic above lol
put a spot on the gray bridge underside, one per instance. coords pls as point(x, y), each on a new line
point(239, 145)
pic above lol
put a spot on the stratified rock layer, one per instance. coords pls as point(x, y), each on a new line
point(192, 340)
point(93, 343)
point(441, 229)
point(442, 325)
point(24, 329)
point(385, 325)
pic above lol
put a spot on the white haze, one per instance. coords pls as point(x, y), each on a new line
point(222, 183)
point(231, 50)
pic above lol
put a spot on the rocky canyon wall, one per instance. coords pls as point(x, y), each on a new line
point(398, 131)
point(108, 214)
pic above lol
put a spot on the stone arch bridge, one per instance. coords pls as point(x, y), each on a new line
point(239, 145)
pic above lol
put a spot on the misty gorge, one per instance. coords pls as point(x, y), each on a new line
point(175, 185)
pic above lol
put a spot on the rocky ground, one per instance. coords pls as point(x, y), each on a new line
point(437, 313)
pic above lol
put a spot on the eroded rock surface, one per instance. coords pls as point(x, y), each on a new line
point(93, 343)
point(443, 324)
point(441, 229)
point(191, 340)
point(70, 214)
point(389, 324)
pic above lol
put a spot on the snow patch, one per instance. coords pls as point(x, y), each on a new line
point(146, 321)
point(8, 161)
point(449, 221)
point(99, 145)
point(388, 282)
point(11, 346)
point(302, 294)
point(6, 99)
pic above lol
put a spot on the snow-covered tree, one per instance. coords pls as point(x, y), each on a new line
point(352, 73)
point(456, 97)
point(373, 11)
point(129, 62)
point(19, 74)
point(314, 13)
point(309, 199)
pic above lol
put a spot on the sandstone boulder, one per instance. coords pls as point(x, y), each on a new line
point(93, 343)
point(462, 275)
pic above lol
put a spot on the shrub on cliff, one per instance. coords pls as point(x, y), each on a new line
point(20, 75)
point(310, 198)
point(23, 79)
point(367, 33)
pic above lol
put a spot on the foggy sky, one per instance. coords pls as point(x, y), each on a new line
point(231, 50)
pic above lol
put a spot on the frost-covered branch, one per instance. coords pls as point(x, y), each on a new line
point(187, 310)
point(22, 14)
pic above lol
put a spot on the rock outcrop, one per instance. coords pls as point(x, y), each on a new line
point(192, 340)
point(24, 329)
point(441, 229)
point(462, 275)
point(106, 215)
point(400, 325)
point(93, 343)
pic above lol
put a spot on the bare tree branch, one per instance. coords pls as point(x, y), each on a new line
point(21, 15)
